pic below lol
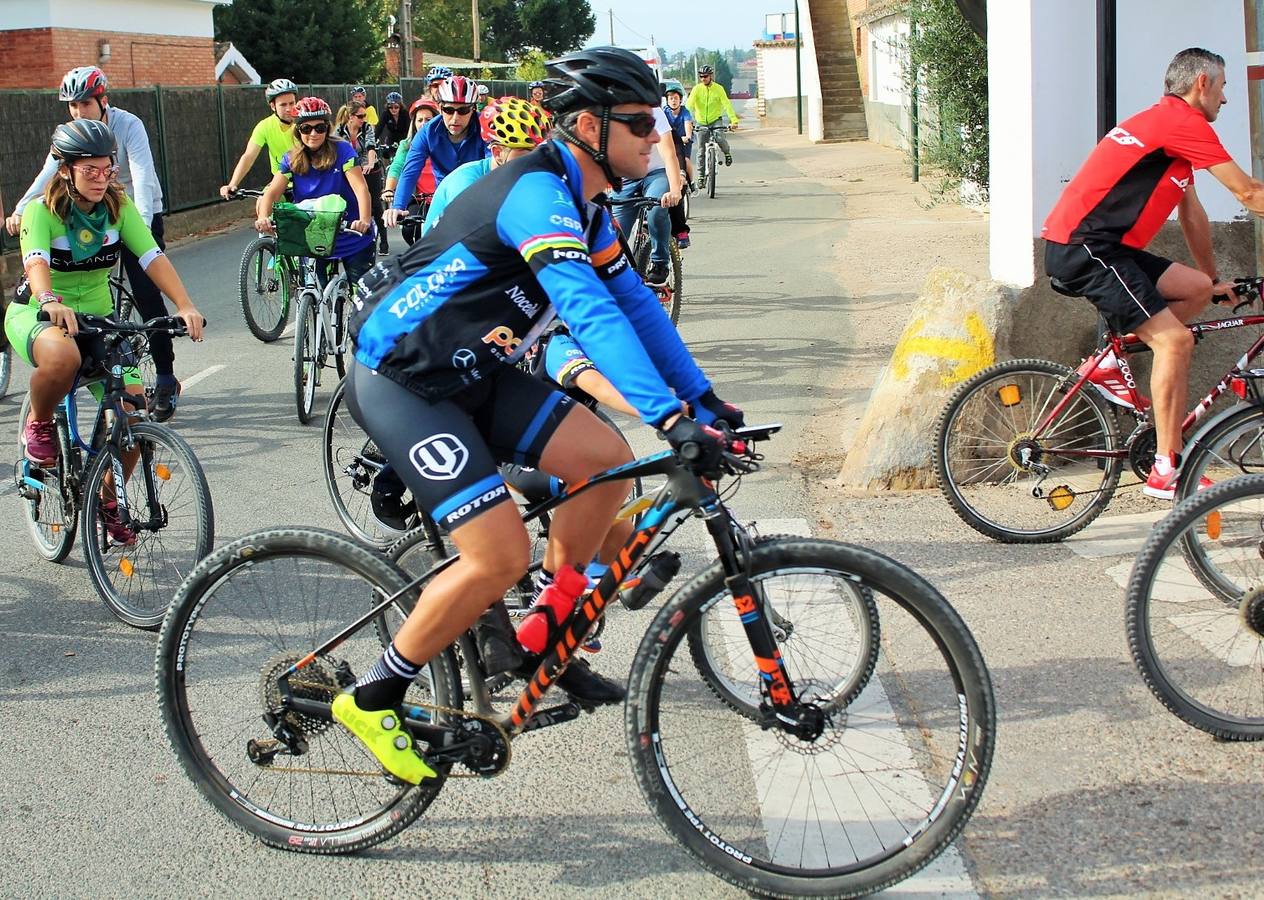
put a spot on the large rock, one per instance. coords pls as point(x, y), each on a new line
point(959, 325)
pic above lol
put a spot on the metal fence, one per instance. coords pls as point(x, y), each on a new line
point(196, 134)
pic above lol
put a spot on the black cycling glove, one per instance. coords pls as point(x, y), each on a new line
point(700, 446)
point(709, 409)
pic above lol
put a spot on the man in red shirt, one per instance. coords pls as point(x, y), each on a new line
point(1097, 233)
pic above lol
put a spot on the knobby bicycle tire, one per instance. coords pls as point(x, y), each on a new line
point(1203, 631)
point(6, 366)
point(268, 321)
point(713, 164)
point(306, 355)
point(137, 590)
point(641, 262)
point(1087, 422)
point(179, 658)
point(52, 520)
point(966, 714)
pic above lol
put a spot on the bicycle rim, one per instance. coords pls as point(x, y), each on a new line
point(6, 369)
point(246, 614)
point(1195, 610)
point(988, 426)
point(51, 517)
point(264, 290)
point(888, 784)
point(170, 504)
point(351, 461)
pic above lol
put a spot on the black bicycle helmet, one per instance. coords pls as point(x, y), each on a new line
point(83, 139)
point(599, 76)
point(706, 70)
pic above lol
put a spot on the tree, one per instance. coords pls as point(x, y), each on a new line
point(509, 27)
point(531, 66)
point(950, 61)
point(333, 42)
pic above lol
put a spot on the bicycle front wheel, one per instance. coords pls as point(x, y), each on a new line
point(243, 618)
point(6, 367)
point(889, 782)
point(171, 517)
point(1011, 483)
point(306, 356)
point(264, 287)
point(1195, 610)
point(712, 165)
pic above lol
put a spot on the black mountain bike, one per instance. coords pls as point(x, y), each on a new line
point(803, 716)
point(166, 502)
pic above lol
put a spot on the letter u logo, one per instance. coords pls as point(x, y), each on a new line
point(440, 457)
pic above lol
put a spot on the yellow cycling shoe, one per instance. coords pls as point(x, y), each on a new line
point(380, 732)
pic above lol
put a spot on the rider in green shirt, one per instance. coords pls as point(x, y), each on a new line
point(71, 240)
point(276, 132)
point(708, 103)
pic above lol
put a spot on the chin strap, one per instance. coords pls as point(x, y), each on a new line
point(599, 154)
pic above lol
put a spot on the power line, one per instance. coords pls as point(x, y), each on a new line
point(629, 27)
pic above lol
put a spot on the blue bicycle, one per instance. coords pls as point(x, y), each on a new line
point(139, 542)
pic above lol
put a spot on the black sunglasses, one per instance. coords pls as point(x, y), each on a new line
point(317, 127)
point(456, 110)
point(640, 124)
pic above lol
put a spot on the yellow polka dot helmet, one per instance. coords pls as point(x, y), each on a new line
point(515, 123)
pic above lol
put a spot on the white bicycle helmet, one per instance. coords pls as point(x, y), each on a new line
point(458, 89)
point(280, 86)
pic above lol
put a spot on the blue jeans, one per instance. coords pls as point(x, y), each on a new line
point(654, 185)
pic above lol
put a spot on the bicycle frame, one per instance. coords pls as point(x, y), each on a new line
point(1130, 343)
point(684, 495)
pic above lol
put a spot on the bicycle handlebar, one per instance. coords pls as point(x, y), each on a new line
point(243, 192)
point(1248, 290)
point(738, 457)
point(90, 324)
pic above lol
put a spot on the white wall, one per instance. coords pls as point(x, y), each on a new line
point(888, 48)
point(166, 17)
point(1042, 62)
point(779, 75)
point(778, 72)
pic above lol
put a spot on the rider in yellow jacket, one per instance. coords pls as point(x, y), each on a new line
point(708, 103)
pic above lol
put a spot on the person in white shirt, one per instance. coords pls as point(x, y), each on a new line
point(84, 90)
point(663, 182)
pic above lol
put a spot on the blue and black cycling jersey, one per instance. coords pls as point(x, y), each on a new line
point(516, 249)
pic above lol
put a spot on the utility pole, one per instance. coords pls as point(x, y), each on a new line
point(478, 52)
point(1255, 96)
point(611, 27)
point(406, 34)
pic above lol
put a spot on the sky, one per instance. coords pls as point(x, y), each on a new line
point(678, 25)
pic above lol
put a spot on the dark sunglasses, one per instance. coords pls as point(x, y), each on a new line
point(640, 124)
point(317, 127)
point(456, 110)
point(361, 115)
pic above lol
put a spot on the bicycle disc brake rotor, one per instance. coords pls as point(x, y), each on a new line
point(321, 680)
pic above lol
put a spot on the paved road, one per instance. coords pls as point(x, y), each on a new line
point(1094, 790)
point(88, 787)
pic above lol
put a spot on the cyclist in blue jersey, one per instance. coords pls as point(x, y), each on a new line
point(512, 127)
point(448, 140)
point(434, 381)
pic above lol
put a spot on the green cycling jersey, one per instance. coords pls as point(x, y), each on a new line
point(84, 285)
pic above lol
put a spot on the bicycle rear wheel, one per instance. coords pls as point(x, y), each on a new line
point(351, 460)
point(891, 780)
point(243, 617)
point(1233, 446)
point(265, 289)
point(1009, 483)
point(1195, 610)
point(49, 505)
point(170, 504)
point(306, 356)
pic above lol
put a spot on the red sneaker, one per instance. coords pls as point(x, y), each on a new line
point(1163, 487)
point(1109, 382)
point(114, 527)
point(39, 440)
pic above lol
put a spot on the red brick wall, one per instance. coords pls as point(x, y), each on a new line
point(38, 58)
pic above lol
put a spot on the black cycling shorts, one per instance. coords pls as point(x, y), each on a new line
point(447, 451)
point(1120, 281)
